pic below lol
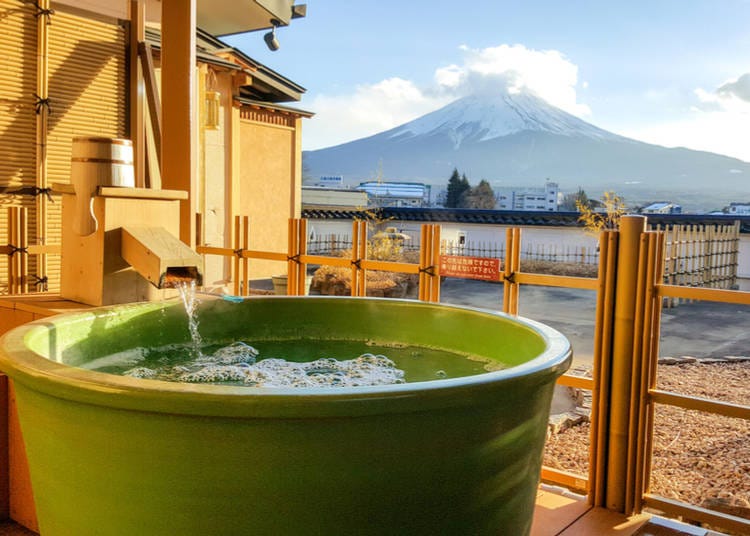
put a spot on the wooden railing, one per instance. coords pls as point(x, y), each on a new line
point(630, 293)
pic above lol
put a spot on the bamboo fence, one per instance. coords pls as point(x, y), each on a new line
point(700, 256)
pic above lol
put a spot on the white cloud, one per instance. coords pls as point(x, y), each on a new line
point(373, 108)
point(718, 122)
point(548, 73)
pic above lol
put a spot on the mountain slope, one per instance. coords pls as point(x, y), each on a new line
point(519, 139)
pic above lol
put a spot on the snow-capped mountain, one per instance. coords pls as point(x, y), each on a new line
point(482, 118)
point(516, 139)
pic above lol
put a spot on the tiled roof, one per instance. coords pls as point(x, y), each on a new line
point(511, 217)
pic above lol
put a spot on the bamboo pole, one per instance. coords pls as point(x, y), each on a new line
point(42, 126)
point(515, 268)
point(300, 253)
point(236, 260)
point(608, 247)
point(245, 245)
point(291, 268)
point(435, 262)
point(424, 232)
point(355, 260)
point(635, 373)
point(631, 228)
point(362, 272)
point(12, 241)
point(648, 375)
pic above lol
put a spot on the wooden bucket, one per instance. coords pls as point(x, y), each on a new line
point(102, 161)
point(97, 162)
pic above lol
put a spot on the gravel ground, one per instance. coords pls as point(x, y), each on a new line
point(699, 458)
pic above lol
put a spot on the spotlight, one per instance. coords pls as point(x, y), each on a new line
point(270, 38)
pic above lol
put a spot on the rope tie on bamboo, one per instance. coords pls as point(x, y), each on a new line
point(238, 252)
point(430, 270)
point(29, 190)
point(357, 263)
point(47, 13)
point(40, 281)
point(294, 258)
point(510, 278)
point(41, 103)
point(14, 250)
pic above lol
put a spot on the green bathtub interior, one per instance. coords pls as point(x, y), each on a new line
point(118, 455)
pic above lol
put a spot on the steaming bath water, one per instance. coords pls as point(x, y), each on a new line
point(275, 363)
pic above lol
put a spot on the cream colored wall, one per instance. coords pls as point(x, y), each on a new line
point(215, 181)
point(269, 189)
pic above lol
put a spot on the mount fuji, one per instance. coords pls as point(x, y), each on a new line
point(518, 139)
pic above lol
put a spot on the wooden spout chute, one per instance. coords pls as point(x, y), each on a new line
point(159, 256)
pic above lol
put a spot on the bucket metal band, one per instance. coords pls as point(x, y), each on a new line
point(112, 141)
point(102, 160)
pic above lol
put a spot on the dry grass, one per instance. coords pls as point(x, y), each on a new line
point(336, 280)
point(699, 458)
point(570, 269)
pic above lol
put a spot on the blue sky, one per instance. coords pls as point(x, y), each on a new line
point(666, 71)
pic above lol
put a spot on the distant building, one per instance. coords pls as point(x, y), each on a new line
point(544, 198)
point(739, 209)
point(332, 181)
point(397, 194)
point(318, 197)
point(662, 207)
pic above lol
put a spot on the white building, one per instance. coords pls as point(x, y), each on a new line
point(543, 198)
point(333, 181)
point(397, 194)
point(739, 209)
point(325, 197)
point(662, 207)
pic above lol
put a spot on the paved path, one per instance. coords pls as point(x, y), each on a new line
point(698, 329)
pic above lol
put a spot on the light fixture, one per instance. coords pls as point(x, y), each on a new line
point(270, 37)
point(213, 102)
point(213, 107)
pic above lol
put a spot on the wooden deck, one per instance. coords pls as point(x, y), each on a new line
point(555, 515)
point(558, 514)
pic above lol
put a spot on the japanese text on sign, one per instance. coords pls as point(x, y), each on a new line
point(470, 267)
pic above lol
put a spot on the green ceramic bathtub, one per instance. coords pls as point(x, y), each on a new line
point(119, 455)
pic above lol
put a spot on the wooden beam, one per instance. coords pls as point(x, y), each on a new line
point(179, 135)
point(137, 127)
point(152, 94)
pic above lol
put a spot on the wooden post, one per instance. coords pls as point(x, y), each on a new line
point(179, 152)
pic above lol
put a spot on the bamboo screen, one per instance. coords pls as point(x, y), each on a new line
point(87, 91)
point(87, 94)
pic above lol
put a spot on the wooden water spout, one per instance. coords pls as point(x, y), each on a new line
point(160, 257)
point(132, 253)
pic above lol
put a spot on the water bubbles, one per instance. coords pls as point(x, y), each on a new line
point(237, 364)
point(237, 352)
point(141, 372)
